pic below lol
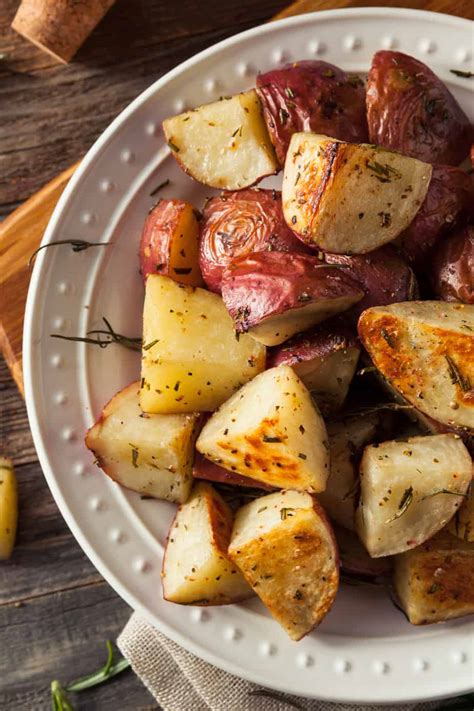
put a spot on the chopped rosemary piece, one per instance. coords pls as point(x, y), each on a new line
point(134, 455)
point(150, 345)
point(405, 502)
point(457, 378)
point(159, 187)
point(78, 245)
point(285, 513)
point(275, 440)
point(173, 146)
point(460, 73)
point(134, 344)
point(388, 337)
point(385, 173)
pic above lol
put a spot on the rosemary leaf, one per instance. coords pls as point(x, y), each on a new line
point(457, 378)
point(405, 502)
point(111, 336)
point(285, 513)
point(460, 73)
point(109, 670)
point(443, 491)
point(78, 245)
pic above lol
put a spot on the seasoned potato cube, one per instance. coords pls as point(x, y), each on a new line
point(346, 441)
point(409, 491)
point(285, 547)
point(462, 523)
point(224, 144)
point(350, 198)
point(271, 431)
point(425, 351)
point(8, 508)
point(435, 582)
point(150, 454)
point(192, 360)
point(196, 568)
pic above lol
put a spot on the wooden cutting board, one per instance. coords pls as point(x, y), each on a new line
point(21, 232)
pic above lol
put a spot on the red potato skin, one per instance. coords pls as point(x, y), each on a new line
point(382, 274)
point(354, 558)
point(316, 344)
point(411, 111)
point(312, 96)
point(449, 200)
point(452, 271)
point(269, 283)
point(205, 469)
point(239, 223)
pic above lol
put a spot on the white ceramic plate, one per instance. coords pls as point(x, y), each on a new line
point(364, 651)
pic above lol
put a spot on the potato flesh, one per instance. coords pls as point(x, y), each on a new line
point(285, 548)
point(346, 439)
point(425, 351)
point(194, 362)
point(196, 569)
point(350, 198)
point(403, 491)
point(270, 431)
point(435, 582)
point(224, 144)
point(8, 508)
point(152, 454)
point(462, 523)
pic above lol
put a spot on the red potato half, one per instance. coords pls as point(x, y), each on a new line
point(205, 469)
point(449, 200)
point(273, 295)
point(383, 275)
point(235, 224)
point(285, 547)
point(312, 96)
point(170, 242)
point(325, 359)
point(452, 269)
point(410, 110)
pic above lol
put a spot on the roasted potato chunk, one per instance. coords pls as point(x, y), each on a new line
point(285, 547)
point(325, 359)
point(312, 96)
point(452, 267)
point(409, 491)
point(425, 351)
point(196, 568)
point(435, 582)
point(410, 110)
point(239, 223)
point(192, 360)
point(149, 454)
point(224, 144)
point(210, 471)
point(170, 242)
point(8, 508)
point(462, 523)
point(348, 198)
point(270, 431)
point(273, 295)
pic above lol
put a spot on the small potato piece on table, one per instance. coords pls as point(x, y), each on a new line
point(270, 431)
point(452, 267)
point(224, 144)
point(425, 351)
point(285, 547)
point(273, 295)
point(170, 242)
point(435, 582)
point(149, 454)
point(348, 198)
point(8, 508)
point(409, 490)
point(196, 567)
point(192, 360)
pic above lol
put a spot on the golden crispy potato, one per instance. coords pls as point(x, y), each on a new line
point(192, 360)
point(285, 547)
point(196, 568)
point(435, 582)
point(271, 431)
point(8, 508)
point(150, 454)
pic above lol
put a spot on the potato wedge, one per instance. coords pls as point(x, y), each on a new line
point(425, 351)
point(285, 547)
point(356, 562)
point(273, 295)
point(224, 144)
point(435, 582)
point(205, 469)
point(150, 454)
point(270, 431)
point(348, 198)
point(347, 439)
point(409, 491)
point(462, 523)
point(170, 242)
point(192, 360)
point(325, 359)
point(196, 568)
point(8, 508)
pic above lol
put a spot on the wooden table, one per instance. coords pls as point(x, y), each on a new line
point(55, 609)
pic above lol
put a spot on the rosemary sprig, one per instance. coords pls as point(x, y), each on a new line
point(405, 502)
point(443, 491)
point(111, 336)
point(78, 245)
point(460, 73)
point(384, 173)
point(457, 378)
point(59, 699)
point(277, 697)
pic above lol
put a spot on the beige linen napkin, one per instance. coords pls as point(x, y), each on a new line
point(180, 681)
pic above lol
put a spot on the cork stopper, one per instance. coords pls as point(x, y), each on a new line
point(59, 27)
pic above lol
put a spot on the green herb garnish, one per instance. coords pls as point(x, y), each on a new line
point(111, 336)
point(443, 491)
point(78, 245)
point(134, 455)
point(457, 378)
point(150, 345)
point(460, 73)
point(285, 512)
point(274, 440)
point(384, 173)
point(405, 502)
